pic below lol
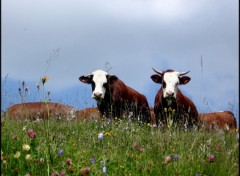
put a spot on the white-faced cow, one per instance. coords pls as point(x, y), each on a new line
point(222, 120)
point(39, 110)
point(170, 103)
point(114, 98)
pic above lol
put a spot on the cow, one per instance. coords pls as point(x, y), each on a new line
point(39, 110)
point(221, 120)
point(88, 113)
point(114, 98)
point(171, 106)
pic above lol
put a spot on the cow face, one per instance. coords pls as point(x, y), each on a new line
point(170, 80)
point(100, 81)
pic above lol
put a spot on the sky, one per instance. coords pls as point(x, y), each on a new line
point(65, 39)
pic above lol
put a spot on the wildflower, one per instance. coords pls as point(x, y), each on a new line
point(168, 159)
point(100, 136)
point(24, 128)
point(104, 170)
point(135, 145)
point(26, 147)
point(62, 173)
point(70, 169)
point(175, 158)
point(85, 171)
point(17, 155)
point(92, 160)
point(69, 161)
point(211, 158)
point(142, 149)
point(108, 133)
point(54, 174)
point(198, 175)
point(28, 157)
point(38, 86)
point(41, 161)
point(32, 134)
point(27, 175)
point(45, 79)
point(60, 152)
point(26, 89)
point(4, 159)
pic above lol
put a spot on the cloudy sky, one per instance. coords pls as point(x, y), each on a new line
point(64, 39)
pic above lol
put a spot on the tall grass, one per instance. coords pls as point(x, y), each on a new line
point(126, 148)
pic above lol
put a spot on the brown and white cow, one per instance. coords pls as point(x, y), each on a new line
point(39, 110)
point(88, 114)
point(170, 103)
point(223, 120)
point(114, 98)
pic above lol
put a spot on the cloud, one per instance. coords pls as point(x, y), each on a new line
point(132, 36)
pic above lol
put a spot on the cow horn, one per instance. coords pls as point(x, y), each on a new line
point(159, 72)
point(183, 73)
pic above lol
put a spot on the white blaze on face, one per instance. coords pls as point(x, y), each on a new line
point(171, 81)
point(99, 78)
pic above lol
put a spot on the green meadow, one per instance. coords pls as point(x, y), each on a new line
point(116, 147)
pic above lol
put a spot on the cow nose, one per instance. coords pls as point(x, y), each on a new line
point(169, 93)
point(97, 95)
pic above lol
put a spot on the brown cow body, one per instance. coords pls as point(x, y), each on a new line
point(222, 120)
point(170, 103)
point(39, 110)
point(114, 98)
point(88, 114)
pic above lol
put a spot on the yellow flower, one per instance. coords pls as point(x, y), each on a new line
point(26, 147)
point(17, 155)
point(28, 157)
point(108, 133)
point(45, 79)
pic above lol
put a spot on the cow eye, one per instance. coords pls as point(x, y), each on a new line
point(164, 84)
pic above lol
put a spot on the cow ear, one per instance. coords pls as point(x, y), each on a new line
point(112, 78)
point(86, 79)
point(184, 79)
point(157, 78)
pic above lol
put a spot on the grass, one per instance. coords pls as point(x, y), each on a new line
point(126, 148)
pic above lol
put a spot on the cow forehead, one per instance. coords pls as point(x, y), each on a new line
point(99, 76)
point(171, 77)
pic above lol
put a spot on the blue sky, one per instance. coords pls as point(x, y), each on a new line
point(66, 39)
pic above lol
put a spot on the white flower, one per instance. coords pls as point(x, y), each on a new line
point(24, 128)
point(17, 155)
point(28, 157)
point(100, 136)
point(26, 147)
point(104, 169)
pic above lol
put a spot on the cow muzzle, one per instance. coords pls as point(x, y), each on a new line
point(98, 96)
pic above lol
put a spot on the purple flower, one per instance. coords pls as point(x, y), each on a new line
point(32, 133)
point(60, 152)
point(92, 160)
point(104, 169)
point(198, 175)
point(175, 158)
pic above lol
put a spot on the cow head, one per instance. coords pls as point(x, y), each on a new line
point(100, 81)
point(170, 80)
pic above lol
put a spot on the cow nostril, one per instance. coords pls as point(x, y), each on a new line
point(170, 93)
point(97, 95)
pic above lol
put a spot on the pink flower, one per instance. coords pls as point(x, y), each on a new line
point(211, 158)
point(32, 133)
point(69, 161)
point(62, 173)
point(142, 149)
point(135, 145)
point(168, 159)
point(54, 174)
